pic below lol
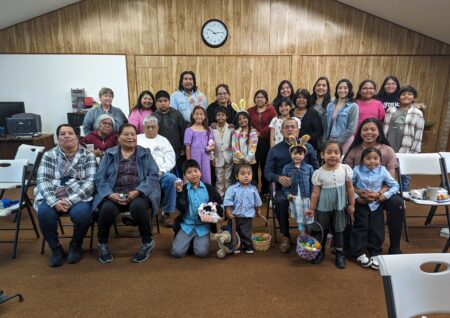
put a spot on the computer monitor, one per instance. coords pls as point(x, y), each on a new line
point(8, 109)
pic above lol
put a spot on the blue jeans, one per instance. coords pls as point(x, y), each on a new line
point(80, 215)
point(169, 194)
point(405, 180)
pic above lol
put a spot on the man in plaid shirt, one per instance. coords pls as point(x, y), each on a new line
point(65, 185)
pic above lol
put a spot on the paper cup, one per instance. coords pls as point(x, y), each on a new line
point(432, 193)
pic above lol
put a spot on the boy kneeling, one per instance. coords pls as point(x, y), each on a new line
point(188, 226)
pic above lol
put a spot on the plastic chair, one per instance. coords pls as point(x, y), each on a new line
point(409, 291)
point(12, 176)
point(429, 164)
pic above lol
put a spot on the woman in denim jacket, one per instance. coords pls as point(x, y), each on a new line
point(341, 116)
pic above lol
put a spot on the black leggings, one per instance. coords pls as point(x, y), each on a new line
point(138, 208)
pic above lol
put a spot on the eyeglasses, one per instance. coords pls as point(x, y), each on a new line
point(106, 123)
point(390, 84)
point(367, 89)
point(290, 127)
point(222, 94)
point(151, 127)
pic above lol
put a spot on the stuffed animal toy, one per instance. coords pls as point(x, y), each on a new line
point(227, 240)
point(208, 212)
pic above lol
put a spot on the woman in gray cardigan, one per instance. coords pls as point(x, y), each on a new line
point(127, 180)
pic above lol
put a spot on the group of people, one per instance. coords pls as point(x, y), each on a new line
point(234, 157)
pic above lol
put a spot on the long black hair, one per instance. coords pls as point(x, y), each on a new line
point(327, 97)
point(180, 82)
point(381, 139)
point(350, 94)
point(304, 93)
point(139, 106)
point(383, 96)
point(278, 98)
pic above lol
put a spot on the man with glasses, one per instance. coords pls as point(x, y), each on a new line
point(103, 137)
point(164, 155)
point(277, 158)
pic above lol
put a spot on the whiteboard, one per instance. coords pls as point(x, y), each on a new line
point(43, 82)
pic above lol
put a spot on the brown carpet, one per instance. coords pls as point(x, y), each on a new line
point(265, 284)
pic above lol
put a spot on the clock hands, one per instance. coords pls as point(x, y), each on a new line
point(215, 32)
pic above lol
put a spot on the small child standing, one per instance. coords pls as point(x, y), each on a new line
point(199, 142)
point(242, 203)
point(244, 140)
point(188, 226)
point(403, 127)
point(223, 154)
point(299, 192)
point(283, 112)
point(368, 229)
point(332, 194)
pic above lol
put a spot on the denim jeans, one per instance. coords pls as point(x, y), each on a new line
point(80, 214)
point(405, 180)
point(169, 194)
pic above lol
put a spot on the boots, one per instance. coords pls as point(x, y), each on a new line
point(340, 259)
point(75, 252)
point(320, 256)
point(57, 257)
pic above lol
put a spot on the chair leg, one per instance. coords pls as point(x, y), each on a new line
point(157, 224)
point(430, 215)
point(42, 246)
point(274, 222)
point(61, 227)
point(33, 222)
point(115, 229)
point(448, 216)
point(404, 223)
point(91, 241)
point(16, 235)
point(444, 250)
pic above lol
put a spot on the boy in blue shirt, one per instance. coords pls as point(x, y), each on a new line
point(241, 203)
point(188, 227)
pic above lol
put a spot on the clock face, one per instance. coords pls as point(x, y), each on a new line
point(214, 33)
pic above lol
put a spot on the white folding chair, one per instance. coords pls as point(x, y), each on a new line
point(409, 291)
point(12, 176)
point(428, 164)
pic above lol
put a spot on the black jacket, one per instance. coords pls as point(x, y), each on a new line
point(183, 205)
point(312, 126)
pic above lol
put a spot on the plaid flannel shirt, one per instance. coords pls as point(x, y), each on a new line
point(78, 176)
point(413, 131)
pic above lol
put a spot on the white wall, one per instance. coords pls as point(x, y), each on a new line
point(43, 82)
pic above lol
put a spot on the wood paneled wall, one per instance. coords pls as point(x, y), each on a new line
point(269, 40)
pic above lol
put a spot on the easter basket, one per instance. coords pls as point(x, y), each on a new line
point(307, 246)
point(261, 240)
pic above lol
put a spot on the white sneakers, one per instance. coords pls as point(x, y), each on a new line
point(367, 262)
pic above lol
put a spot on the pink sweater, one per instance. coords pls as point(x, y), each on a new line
point(137, 117)
point(370, 109)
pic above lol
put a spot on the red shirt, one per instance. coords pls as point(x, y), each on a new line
point(261, 121)
point(100, 143)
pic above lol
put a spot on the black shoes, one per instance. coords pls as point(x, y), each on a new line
point(340, 259)
point(57, 257)
point(320, 256)
point(75, 252)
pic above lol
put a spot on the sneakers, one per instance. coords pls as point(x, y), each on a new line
point(364, 261)
point(248, 249)
point(374, 264)
point(57, 257)
point(104, 255)
point(144, 252)
point(75, 252)
point(285, 245)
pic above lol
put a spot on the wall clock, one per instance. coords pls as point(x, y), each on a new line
point(214, 33)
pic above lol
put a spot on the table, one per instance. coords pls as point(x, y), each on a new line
point(10, 144)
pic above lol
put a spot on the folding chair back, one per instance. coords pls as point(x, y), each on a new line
point(12, 171)
point(34, 155)
point(410, 291)
point(446, 166)
point(428, 164)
